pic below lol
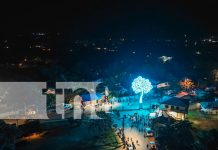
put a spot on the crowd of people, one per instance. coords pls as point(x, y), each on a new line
point(136, 121)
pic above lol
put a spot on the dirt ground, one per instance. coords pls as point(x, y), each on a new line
point(202, 122)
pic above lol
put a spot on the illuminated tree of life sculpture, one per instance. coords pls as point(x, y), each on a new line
point(141, 85)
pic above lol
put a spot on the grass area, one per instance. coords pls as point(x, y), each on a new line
point(195, 115)
point(202, 121)
point(108, 141)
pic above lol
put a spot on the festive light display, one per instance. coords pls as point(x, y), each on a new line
point(187, 84)
point(141, 85)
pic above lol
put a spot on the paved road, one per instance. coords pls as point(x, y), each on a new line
point(135, 135)
point(132, 132)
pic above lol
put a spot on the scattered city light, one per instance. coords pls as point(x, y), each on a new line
point(198, 52)
point(164, 59)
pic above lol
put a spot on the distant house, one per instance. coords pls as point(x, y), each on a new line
point(209, 107)
point(181, 94)
point(186, 95)
point(91, 98)
point(194, 106)
point(175, 108)
point(190, 99)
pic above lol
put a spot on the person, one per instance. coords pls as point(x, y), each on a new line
point(133, 145)
point(137, 141)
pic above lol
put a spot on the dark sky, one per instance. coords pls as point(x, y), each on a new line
point(93, 17)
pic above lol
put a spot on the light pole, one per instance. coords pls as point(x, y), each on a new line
point(123, 127)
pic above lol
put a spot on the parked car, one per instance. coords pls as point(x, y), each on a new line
point(151, 143)
point(148, 132)
point(67, 106)
point(152, 146)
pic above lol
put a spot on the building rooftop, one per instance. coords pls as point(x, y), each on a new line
point(175, 102)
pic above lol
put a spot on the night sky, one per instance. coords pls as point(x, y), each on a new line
point(96, 18)
point(94, 21)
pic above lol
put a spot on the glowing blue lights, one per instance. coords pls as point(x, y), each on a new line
point(141, 85)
